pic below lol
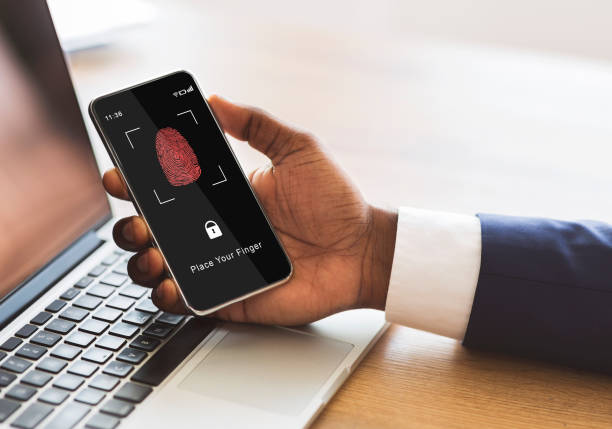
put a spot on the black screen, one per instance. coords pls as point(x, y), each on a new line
point(192, 192)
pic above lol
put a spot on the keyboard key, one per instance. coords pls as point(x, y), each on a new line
point(117, 408)
point(133, 291)
point(55, 306)
point(73, 313)
point(6, 378)
point(51, 365)
point(120, 303)
point(106, 314)
point(80, 339)
point(7, 408)
point(97, 271)
point(60, 326)
point(47, 339)
point(84, 282)
point(171, 354)
point(31, 351)
point(2, 355)
point(144, 343)
point(90, 396)
point(26, 331)
point(111, 259)
point(65, 351)
point(136, 317)
point(123, 330)
point(20, 392)
point(88, 302)
point(92, 326)
point(121, 268)
point(10, 344)
point(36, 378)
point(110, 342)
point(41, 318)
point(158, 330)
point(133, 392)
point(70, 294)
point(97, 355)
point(68, 416)
point(170, 319)
point(53, 396)
point(118, 369)
point(147, 305)
point(102, 421)
point(104, 382)
point(132, 356)
point(102, 291)
point(32, 416)
point(114, 279)
point(16, 364)
point(68, 382)
point(82, 368)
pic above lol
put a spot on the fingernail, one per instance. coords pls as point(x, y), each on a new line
point(128, 231)
point(143, 263)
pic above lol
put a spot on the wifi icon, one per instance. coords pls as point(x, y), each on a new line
point(175, 94)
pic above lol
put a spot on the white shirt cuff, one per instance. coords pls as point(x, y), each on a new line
point(435, 271)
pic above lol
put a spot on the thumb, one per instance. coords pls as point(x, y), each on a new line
point(263, 132)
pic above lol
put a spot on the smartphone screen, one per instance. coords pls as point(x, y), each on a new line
point(189, 187)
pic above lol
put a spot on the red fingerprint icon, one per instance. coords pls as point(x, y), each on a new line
point(176, 157)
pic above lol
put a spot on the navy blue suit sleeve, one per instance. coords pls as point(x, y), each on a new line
point(545, 291)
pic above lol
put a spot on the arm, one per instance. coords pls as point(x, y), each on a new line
point(545, 291)
point(542, 289)
point(532, 287)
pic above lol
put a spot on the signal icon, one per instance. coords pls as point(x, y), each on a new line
point(182, 91)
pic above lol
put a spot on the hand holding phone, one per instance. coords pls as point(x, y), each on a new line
point(189, 188)
point(340, 246)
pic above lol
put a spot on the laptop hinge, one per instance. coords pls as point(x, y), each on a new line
point(44, 279)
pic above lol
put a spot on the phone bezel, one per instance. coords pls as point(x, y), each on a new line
point(198, 312)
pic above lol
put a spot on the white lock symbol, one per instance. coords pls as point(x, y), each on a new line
point(212, 229)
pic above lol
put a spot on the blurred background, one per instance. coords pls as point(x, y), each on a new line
point(461, 105)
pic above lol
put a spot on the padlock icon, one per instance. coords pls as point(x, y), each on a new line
point(212, 229)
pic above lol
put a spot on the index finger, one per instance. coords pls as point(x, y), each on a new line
point(115, 185)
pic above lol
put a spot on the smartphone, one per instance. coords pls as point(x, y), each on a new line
point(186, 183)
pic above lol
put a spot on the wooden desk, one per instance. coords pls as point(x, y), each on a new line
point(434, 125)
point(413, 379)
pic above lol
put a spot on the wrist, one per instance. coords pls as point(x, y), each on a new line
point(378, 258)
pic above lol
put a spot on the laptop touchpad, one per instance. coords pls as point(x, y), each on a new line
point(276, 369)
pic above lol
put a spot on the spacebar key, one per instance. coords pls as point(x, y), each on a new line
point(171, 354)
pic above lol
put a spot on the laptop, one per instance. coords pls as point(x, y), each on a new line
point(80, 344)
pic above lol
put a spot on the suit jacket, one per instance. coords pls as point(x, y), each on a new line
point(545, 291)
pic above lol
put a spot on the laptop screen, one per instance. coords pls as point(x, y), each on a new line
point(50, 187)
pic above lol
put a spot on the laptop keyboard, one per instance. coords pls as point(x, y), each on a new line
point(93, 354)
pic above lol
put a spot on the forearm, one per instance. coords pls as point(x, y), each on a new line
point(544, 291)
point(539, 288)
